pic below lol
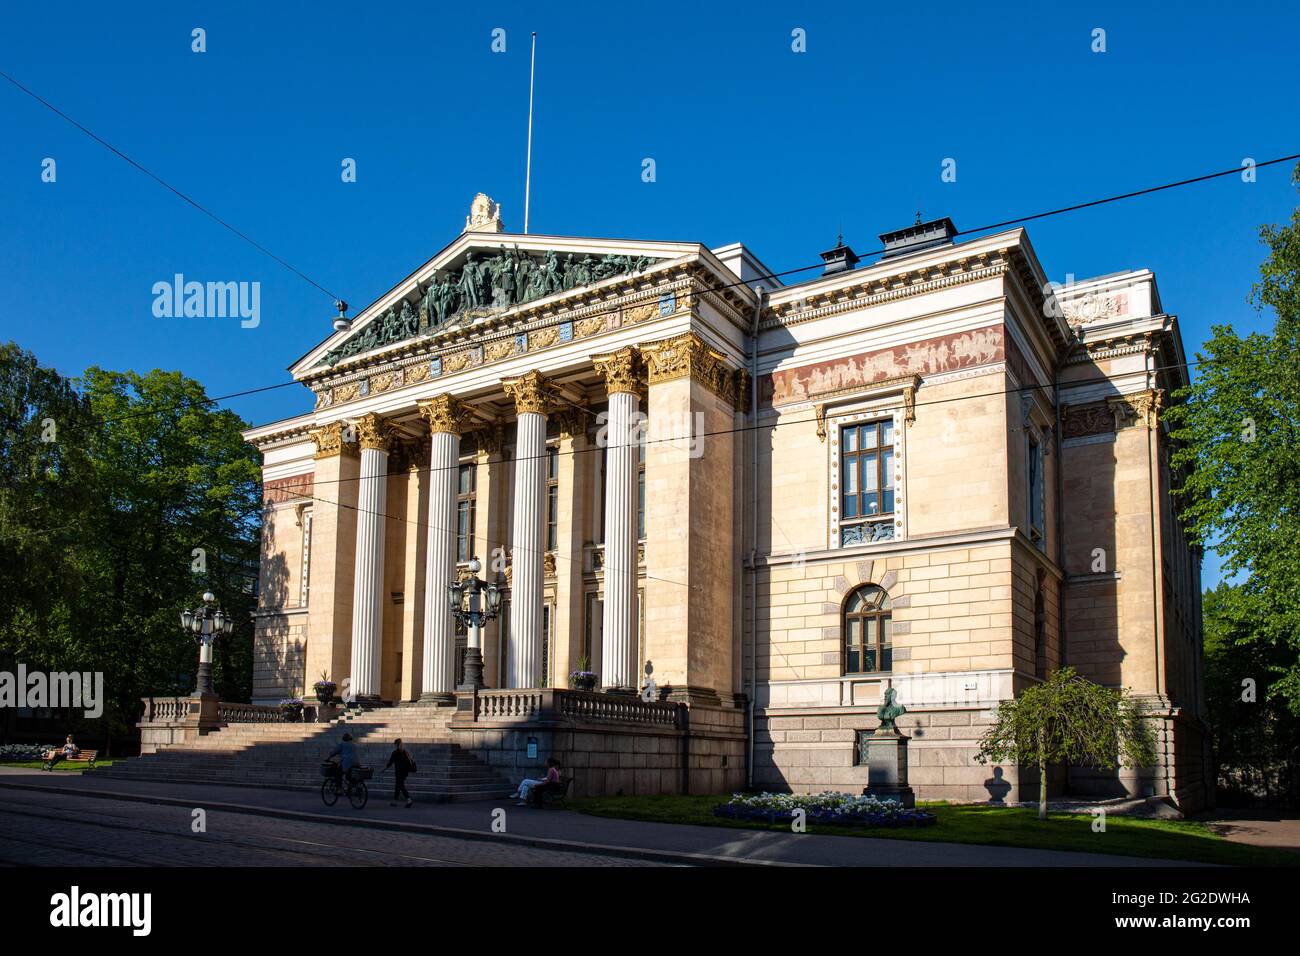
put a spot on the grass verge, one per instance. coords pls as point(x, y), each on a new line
point(62, 766)
point(1185, 840)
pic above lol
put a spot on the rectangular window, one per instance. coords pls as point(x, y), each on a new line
point(552, 497)
point(593, 629)
point(1035, 489)
point(866, 481)
point(465, 512)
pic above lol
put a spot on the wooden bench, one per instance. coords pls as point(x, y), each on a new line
point(555, 796)
point(81, 756)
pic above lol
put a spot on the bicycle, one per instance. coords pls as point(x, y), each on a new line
point(354, 785)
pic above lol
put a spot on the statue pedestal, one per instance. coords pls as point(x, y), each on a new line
point(886, 756)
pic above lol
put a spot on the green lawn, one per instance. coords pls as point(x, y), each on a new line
point(62, 766)
point(991, 826)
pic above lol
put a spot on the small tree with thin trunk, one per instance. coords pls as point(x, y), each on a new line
point(1068, 720)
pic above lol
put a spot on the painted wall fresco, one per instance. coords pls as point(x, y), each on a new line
point(947, 353)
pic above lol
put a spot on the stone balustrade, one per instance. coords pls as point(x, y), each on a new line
point(159, 709)
point(171, 720)
point(557, 704)
point(249, 714)
point(580, 705)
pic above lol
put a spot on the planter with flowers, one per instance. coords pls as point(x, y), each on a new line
point(324, 688)
point(291, 709)
point(583, 678)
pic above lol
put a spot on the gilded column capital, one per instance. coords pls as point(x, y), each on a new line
point(335, 438)
point(446, 414)
point(688, 355)
point(375, 433)
point(623, 371)
point(530, 391)
point(1140, 406)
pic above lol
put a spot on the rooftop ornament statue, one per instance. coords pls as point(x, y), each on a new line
point(889, 711)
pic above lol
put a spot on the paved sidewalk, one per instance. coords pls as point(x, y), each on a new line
point(1256, 827)
point(569, 830)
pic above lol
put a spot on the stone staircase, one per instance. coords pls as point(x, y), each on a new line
point(288, 756)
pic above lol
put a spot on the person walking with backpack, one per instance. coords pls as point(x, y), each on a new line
point(402, 764)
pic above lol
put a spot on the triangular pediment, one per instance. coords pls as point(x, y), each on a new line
point(482, 276)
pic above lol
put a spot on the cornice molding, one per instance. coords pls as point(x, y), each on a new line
point(879, 289)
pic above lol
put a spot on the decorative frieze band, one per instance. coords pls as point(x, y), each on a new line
point(293, 489)
point(1097, 418)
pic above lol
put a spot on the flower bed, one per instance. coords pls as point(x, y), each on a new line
point(838, 809)
point(24, 752)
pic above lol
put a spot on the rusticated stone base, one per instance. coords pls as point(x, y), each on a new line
point(616, 748)
point(811, 752)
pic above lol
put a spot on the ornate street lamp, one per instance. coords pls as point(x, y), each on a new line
point(206, 624)
point(469, 608)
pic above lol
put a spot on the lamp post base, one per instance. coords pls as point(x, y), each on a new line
point(473, 670)
point(203, 685)
point(436, 699)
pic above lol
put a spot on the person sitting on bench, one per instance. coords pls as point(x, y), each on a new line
point(69, 750)
point(551, 782)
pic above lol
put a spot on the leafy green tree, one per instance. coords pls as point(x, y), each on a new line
point(46, 426)
point(1256, 735)
point(45, 429)
point(175, 511)
point(146, 497)
point(1068, 720)
point(1237, 432)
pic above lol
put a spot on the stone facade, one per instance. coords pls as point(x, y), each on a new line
point(1018, 432)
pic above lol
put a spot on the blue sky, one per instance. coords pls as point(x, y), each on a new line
point(751, 141)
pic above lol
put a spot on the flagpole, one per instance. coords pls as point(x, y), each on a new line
point(528, 166)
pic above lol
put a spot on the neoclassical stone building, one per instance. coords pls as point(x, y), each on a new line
point(937, 473)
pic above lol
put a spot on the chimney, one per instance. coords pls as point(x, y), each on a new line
point(839, 259)
point(922, 235)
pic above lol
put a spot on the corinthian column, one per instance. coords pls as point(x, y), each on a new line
point(619, 665)
point(444, 415)
point(374, 435)
point(524, 658)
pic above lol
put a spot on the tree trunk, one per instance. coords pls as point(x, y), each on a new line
point(1042, 778)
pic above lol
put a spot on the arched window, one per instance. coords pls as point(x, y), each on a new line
point(868, 647)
